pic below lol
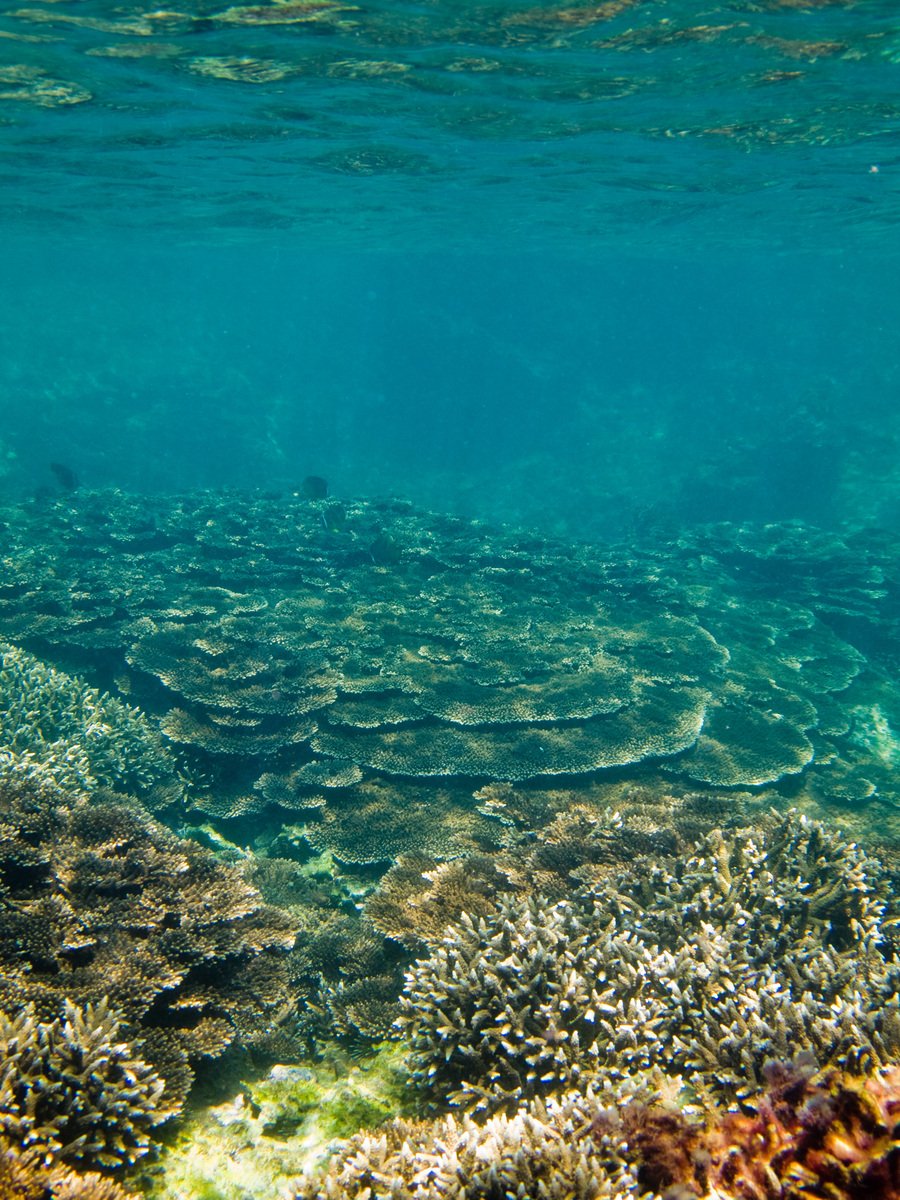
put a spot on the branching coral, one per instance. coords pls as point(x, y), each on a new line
point(73, 1089)
point(56, 727)
point(542, 1150)
point(528, 1000)
point(807, 1136)
point(25, 1175)
point(755, 945)
point(99, 899)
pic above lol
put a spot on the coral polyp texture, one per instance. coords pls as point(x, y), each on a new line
point(26, 1175)
point(100, 900)
point(302, 651)
point(72, 1089)
point(549, 1150)
point(56, 727)
point(753, 946)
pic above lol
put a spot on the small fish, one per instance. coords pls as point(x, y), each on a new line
point(65, 476)
point(314, 487)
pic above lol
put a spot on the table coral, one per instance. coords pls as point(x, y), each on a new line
point(99, 899)
point(275, 643)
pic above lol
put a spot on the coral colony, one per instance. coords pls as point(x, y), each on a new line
point(456, 862)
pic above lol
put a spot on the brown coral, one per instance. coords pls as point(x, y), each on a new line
point(74, 1090)
point(25, 1175)
point(809, 1135)
point(98, 899)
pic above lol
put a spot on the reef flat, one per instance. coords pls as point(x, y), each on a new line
point(320, 657)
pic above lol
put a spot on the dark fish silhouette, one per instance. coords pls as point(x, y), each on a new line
point(314, 487)
point(65, 476)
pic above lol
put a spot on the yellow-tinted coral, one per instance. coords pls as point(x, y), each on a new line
point(98, 899)
point(74, 1089)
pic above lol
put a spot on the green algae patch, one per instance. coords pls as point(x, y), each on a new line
point(279, 1127)
point(286, 1098)
point(351, 1111)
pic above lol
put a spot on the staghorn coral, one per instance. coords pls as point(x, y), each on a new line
point(754, 945)
point(98, 899)
point(56, 727)
point(75, 1091)
point(548, 1149)
point(525, 1002)
point(25, 1175)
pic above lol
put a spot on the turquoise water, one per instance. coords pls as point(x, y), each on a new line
point(431, 125)
point(449, 469)
point(572, 265)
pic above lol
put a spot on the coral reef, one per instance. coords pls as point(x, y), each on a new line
point(809, 1135)
point(346, 976)
point(585, 834)
point(56, 727)
point(299, 651)
point(98, 899)
point(75, 1091)
point(25, 1175)
point(530, 742)
point(550, 1150)
point(754, 945)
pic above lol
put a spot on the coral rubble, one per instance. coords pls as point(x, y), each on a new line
point(276, 1126)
